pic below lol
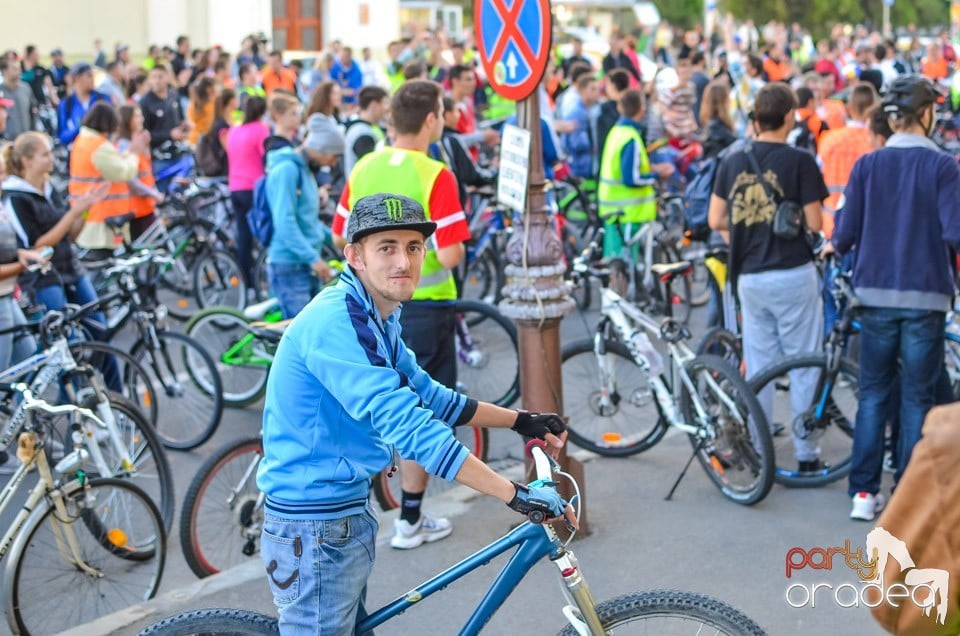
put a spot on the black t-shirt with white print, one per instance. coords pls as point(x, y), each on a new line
point(793, 175)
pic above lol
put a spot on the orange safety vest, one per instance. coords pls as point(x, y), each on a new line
point(144, 206)
point(935, 70)
point(839, 150)
point(84, 176)
point(836, 113)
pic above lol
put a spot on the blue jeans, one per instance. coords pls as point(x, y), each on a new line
point(318, 571)
point(14, 347)
point(914, 337)
point(242, 201)
point(82, 292)
point(293, 285)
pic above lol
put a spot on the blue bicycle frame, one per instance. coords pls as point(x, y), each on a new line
point(493, 228)
point(532, 544)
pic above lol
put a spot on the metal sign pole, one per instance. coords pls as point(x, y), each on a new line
point(514, 45)
point(536, 296)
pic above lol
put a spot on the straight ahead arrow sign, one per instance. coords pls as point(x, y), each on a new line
point(512, 65)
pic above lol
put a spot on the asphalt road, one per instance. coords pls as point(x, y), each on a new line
point(699, 541)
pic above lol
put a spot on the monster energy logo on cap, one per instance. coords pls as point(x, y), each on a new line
point(386, 211)
point(394, 209)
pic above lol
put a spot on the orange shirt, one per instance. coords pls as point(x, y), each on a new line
point(202, 121)
point(935, 70)
point(776, 71)
point(839, 150)
point(285, 79)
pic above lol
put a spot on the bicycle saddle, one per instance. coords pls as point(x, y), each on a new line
point(270, 331)
point(117, 222)
point(670, 270)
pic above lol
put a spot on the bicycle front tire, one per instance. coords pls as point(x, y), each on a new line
point(137, 386)
point(611, 421)
point(192, 409)
point(834, 434)
point(211, 527)
point(244, 376)
point(723, 343)
point(43, 578)
point(665, 611)
point(488, 360)
point(218, 280)
point(387, 490)
point(215, 622)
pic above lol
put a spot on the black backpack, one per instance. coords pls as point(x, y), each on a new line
point(211, 156)
point(803, 138)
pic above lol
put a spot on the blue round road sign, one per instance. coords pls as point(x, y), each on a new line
point(514, 41)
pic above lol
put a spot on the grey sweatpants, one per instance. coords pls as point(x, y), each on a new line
point(782, 316)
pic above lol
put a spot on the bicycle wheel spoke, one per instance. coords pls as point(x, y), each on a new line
point(223, 513)
point(43, 578)
point(811, 416)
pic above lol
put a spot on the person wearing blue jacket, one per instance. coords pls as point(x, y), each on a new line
point(902, 214)
point(75, 107)
point(343, 394)
point(581, 143)
point(295, 268)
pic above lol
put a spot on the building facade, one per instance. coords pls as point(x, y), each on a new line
point(289, 24)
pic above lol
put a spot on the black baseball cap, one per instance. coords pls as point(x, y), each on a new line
point(384, 212)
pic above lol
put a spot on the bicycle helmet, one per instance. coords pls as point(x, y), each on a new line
point(909, 94)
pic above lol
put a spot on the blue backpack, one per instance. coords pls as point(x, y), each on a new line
point(260, 218)
point(696, 199)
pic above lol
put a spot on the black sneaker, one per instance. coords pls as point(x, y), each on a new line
point(812, 466)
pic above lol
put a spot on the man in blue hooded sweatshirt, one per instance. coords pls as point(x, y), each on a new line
point(343, 393)
point(902, 214)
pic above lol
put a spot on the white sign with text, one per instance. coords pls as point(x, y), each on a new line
point(514, 167)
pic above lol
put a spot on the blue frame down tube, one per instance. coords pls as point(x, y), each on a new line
point(532, 545)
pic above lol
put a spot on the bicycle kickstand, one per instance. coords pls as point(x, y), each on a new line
point(683, 472)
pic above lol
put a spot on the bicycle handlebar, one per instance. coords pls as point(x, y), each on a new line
point(543, 463)
point(32, 403)
point(143, 257)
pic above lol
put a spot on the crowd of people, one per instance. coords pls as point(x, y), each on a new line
point(835, 132)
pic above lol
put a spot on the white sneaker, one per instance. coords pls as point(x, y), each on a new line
point(425, 530)
point(866, 506)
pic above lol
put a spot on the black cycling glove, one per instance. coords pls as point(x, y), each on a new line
point(538, 424)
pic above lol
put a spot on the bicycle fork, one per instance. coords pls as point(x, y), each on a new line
point(61, 527)
point(583, 617)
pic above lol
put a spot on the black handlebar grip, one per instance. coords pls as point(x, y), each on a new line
point(536, 516)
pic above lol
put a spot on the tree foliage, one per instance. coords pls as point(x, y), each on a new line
point(819, 15)
point(686, 13)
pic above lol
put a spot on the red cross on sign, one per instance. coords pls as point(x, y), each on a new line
point(513, 38)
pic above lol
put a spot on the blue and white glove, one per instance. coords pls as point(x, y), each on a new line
point(539, 501)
